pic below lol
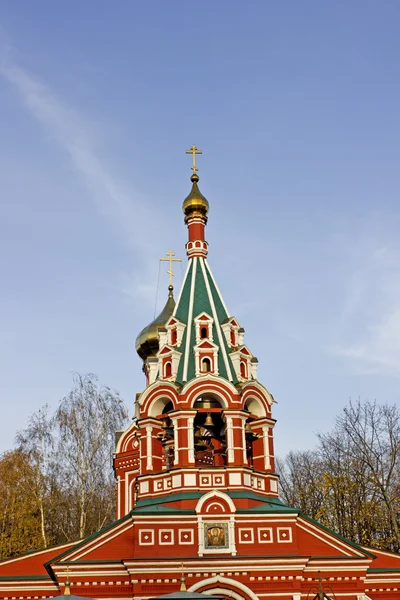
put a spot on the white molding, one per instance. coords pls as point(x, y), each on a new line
point(271, 535)
point(230, 583)
point(251, 538)
point(149, 531)
point(182, 288)
point(215, 494)
point(165, 531)
point(216, 286)
point(190, 317)
point(287, 530)
point(189, 531)
point(217, 325)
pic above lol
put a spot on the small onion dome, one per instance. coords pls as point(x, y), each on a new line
point(147, 341)
point(195, 203)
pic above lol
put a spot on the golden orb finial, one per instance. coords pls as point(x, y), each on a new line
point(195, 203)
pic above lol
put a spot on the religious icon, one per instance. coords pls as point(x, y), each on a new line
point(216, 535)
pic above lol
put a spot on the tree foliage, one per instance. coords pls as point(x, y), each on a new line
point(58, 484)
point(351, 481)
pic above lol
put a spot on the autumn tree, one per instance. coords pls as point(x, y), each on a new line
point(373, 432)
point(351, 482)
point(60, 484)
point(20, 521)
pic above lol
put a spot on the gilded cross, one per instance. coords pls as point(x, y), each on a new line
point(171, 260)
point(193, 151)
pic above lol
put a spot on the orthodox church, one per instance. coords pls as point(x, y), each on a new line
point(196, 483)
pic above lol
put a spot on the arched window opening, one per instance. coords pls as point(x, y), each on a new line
point(243, 370)
point(174, 337)
point(209, 433)
point(203, 333)
point(168, 407)
point(168, 370)
point(206, 365)
point(233, 337)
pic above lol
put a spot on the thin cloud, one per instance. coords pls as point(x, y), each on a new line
point(370, 320)
point(71, 132)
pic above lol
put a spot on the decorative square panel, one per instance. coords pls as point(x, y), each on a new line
point(284, 534)
point(246, 535)
point(189, 479)
point(158, 485)
point(265, 535)
point(273, 485)
point(186, 536)
point(166, 537)
point(205, 480)
point(144, 487)
point(176, 481)
point(219, 479)
point(235, 479)
point(146, 537)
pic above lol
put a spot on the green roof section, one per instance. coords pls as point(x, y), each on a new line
point(337, 535)
point(203, 295)
point(87, 539)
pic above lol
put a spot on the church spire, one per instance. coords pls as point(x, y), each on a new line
point(195, 208)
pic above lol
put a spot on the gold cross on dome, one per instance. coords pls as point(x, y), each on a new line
point(193, 151)
point(171, 260)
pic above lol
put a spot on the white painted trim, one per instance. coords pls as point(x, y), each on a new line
point(217, 325)
point(267, 458)
point(251, 538)
point(151, 534)
point(229, 440)
point(182, 288)
point(215, 494)
point(230, 583)
point(190, 440)
point(216, 286)
point(287, 530)
point(190, 318)
point(149, 449)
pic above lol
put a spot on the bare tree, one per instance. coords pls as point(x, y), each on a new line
point(301, 481)
point(351, 482)
point(87, 420)
point(374, 432)
point(37, 441)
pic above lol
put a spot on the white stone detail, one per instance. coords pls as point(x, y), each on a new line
point(144, 487)
point(176, 481)
point(235, 479)
point(189, 479)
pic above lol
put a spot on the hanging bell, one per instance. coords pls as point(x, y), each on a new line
point(248, 428)
point(208, 422)
point(164, 423)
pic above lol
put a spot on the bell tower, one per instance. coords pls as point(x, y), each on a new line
point(203, 421)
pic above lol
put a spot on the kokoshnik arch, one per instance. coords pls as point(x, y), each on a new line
point(196, 481)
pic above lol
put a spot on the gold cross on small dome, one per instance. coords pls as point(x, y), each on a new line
point(193, 151)
point(171, 260)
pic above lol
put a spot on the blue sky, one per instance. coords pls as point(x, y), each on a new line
point(296, 108)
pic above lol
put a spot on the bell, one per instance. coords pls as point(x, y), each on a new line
point(164, 423)
point(208, 422)
point(248, 428)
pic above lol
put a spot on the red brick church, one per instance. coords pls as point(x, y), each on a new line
point(196, 481)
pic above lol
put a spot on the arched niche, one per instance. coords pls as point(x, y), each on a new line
point(160, 405)
point(255, 407)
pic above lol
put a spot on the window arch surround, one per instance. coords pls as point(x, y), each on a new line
point(160, 405)
point(254, 406)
